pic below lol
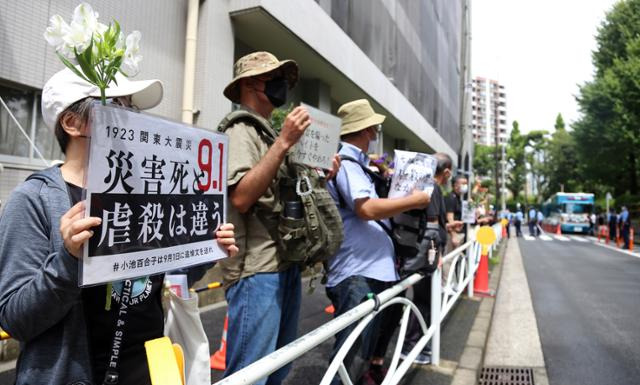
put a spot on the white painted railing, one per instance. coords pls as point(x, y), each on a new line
point(464, 261)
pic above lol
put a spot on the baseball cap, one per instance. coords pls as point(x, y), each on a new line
point(65, 88)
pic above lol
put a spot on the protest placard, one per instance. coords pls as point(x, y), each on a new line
point(413, 170)
point(468, 212)
point(319, 143)
point(159, 187)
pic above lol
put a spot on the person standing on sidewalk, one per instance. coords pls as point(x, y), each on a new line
point(539, 219)
point(262, 288)
point(65, 331)
point(436, 219)
point(533, 221)
point(625, 226)
point(612, 220)
point(519, 217)
point(365, 261)
point(454, 212)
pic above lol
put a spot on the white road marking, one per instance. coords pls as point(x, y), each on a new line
point(561, 238)
point(628, 252)
point(528, 238)
point(545, 237)
point(579, 239)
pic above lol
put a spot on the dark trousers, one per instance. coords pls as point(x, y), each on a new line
point(348, 294)
point(625, 235)
point(612, 232)
point(518, 228)
point(509, 230)
point(422, 299)
point(533, 231)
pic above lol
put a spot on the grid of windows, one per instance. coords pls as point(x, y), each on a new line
point(24, 106)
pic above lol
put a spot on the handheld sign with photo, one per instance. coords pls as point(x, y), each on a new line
point(319, 143)
point(414, 170)
point(468, 212)
point(160, 188)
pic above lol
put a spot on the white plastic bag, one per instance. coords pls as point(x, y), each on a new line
point(184, 326)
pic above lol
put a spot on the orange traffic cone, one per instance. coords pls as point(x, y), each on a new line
point(559, 229)
point(218, 359)
point(481, 283)
point(631, 239)
point(329, 309)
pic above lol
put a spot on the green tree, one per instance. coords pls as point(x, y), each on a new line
point(607, 136)
point(561, 168)
point(516, 177)
point(484, 161)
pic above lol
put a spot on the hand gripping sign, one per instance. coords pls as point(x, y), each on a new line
point(159, 187)
point(413, 171)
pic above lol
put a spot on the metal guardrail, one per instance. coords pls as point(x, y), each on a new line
point(442, 301)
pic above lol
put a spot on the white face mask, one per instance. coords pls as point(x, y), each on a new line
point(374, 145)
point(464, 188)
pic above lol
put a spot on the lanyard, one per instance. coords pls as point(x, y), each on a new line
point(111, 375)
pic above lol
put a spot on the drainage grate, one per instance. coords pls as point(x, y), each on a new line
point(506, 376)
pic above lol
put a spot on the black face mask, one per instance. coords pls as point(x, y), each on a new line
point(276, 91)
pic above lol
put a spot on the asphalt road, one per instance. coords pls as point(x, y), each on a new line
point(587, 304)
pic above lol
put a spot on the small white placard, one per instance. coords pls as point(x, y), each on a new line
point(468, 213)
point(319, 143)
point(413, 170)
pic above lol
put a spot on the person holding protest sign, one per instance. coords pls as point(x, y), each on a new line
point(436, 219)
point(262, 287)
point(365, 261)
point(66, 332)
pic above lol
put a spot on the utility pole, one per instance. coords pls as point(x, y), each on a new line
point(504, 198)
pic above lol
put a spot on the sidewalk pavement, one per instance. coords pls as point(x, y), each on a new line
point(514, 340)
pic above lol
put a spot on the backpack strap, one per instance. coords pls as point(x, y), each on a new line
point(373, 177)
point(266, 132)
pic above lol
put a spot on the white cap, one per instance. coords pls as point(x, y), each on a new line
point(65, 88)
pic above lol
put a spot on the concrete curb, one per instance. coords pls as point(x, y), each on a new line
point(472, 357)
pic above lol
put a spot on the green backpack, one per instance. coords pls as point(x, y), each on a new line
point(309, 230)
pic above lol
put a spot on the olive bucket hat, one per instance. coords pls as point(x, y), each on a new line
point(258, 63)
point(358, 115)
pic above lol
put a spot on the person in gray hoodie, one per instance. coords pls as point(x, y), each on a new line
point(65, 331)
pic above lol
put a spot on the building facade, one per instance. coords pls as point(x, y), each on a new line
point(408, 58)
point(489, 112)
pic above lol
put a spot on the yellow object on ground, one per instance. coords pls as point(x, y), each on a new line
point(166, 362)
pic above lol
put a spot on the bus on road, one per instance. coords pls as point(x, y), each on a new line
point(569, 210)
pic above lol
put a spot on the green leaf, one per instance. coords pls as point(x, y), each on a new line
point(72, 67)
point(87, 68)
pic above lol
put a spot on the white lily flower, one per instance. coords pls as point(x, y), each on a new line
point(132, 57)
point(78, 38)
point(86, 17)
point(56, 31)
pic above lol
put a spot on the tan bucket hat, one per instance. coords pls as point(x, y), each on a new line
point(358, 115)
point(258, 63)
